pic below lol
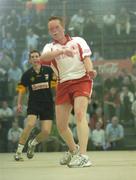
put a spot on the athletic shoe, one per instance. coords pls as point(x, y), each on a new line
point(79, 161)
point(18, 157)
point(31, 149)
point(68, 156)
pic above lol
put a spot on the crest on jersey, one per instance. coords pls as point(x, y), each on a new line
point(32, 79)
point(46, 77)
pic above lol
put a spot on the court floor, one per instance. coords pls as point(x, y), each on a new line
point(117, 165)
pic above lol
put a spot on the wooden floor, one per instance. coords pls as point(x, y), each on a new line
point(118, 165)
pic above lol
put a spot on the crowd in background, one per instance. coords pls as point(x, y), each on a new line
point(113, 102)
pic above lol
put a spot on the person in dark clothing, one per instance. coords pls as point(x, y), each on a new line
point(37, 80)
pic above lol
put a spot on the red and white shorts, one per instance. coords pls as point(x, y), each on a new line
point(67, 91)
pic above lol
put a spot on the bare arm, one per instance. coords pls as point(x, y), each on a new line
point(49, 56)
point(21, 90)
point(19, 102)
point(89, 67)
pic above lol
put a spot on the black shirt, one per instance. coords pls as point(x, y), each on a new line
point(38, 84)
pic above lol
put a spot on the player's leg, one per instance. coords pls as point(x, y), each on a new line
point(31, 121)
point(80, 109)
point(45, 130)
point(82, 90)
point(46, 114)
point(81, 121)
point(46, 126)
point(62, 118)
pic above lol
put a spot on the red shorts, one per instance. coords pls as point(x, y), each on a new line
point(67, 91)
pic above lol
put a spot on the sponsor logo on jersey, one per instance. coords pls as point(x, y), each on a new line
point(46, 76)
point(39, 86)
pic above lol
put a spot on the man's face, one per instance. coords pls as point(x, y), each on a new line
point(115, 121)
point(56, 30)
point(34, 58)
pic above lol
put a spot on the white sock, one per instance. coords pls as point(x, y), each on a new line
point(34, 142)
point(20, 148)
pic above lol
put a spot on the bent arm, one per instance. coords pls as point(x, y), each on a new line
point(88, 64)
point(49, 56)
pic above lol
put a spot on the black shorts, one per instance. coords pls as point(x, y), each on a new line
point(44, 111)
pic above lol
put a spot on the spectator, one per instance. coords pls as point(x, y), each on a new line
point(98, 84)
point(94, 103)
point(32, 39)
point(109, 24)
point(114, 134)
point(77, 23)
point(14, 75)
point(123, 22)
point(127, 81)
point(90, 29)
point(98, 137)
point(26, 18)
point(110, 81)
point(126, 98)
point(13, 23)
point(14, 134)
point(133, 108)
point(5, 61)
point(111, 104)
point(2, 29)
point(97, 117)
point(3, 84)
point(9, 46)
point(24, 63)
point(6, 115)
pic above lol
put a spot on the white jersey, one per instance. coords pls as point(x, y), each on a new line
point(65, 67)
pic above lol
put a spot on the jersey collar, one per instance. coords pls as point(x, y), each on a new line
point(68, 38)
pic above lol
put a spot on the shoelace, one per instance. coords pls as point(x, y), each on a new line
point(79, 159)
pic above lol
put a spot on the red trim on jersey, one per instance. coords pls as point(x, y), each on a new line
point(80, 51)
point(45, 63)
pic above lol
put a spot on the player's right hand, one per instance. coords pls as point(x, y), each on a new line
point(68, 52)
point(92, 74)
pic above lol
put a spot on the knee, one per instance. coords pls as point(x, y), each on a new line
point(30, 125)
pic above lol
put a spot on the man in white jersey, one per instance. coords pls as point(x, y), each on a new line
point(70, 60)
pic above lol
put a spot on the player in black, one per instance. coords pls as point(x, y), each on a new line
point(37, 80)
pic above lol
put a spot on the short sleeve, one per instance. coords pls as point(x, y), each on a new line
point(47, 48)
point(24, 80)
point(85, 49)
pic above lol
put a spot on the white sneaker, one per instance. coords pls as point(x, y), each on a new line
point(18, 157)
point(79, 161)
point(68, 156)
point(30, 150)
